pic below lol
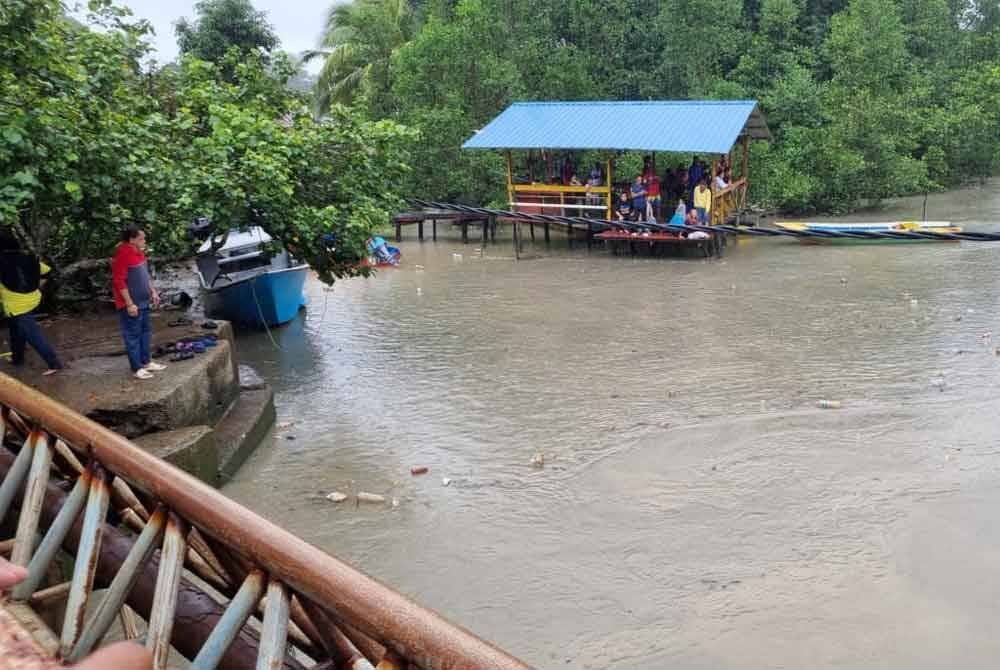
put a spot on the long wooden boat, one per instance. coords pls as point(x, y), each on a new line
point(875, 226)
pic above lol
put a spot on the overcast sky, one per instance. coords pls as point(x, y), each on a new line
point(297, 22)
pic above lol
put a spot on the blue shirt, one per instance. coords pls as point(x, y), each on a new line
point(638, 195)
point(695, 173)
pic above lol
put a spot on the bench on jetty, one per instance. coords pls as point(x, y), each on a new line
point(455, 218)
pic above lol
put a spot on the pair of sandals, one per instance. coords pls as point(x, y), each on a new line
point(186, 348)
point(183, 321)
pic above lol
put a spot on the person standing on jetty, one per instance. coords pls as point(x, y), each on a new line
point(21, 278)
point(134, 294)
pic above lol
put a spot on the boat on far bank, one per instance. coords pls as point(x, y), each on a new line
point(246, 282)
point(941, 227)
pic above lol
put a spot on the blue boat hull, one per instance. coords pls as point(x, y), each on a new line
point(268, 299)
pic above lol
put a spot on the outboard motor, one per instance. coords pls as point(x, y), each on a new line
point(200, 229)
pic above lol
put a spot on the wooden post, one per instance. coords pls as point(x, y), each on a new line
point(546, 226)
point(399, 231)
point(514, 235)
point(493, 228)
point(607, 183)
point(745, 167)
point(532, 225)
point(711, 187)
point(420, 229)
point(486, 230)
point(510, 180)
point(465, 231)
point(434, 229)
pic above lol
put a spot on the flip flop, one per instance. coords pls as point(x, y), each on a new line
point(210, 325)
point(181, 356)
point(180, 322)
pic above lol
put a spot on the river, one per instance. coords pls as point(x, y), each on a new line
point(696, 509)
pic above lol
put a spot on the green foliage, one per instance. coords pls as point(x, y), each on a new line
point(356, 46)
point(221, 25)
point(90, 142)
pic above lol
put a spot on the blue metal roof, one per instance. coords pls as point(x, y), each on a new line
point(683, 126)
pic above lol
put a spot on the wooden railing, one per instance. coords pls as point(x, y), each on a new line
point(222, 586)
point(727, 201)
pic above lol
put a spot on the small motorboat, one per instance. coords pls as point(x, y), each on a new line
point(394, 253)
point(941, 227)
point(246, 282)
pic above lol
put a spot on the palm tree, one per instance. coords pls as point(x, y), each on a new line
point(357, 46)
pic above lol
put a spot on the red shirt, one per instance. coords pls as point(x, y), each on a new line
point(653, 188)
point(129, 270)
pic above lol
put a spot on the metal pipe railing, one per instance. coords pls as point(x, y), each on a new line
point(351, 599)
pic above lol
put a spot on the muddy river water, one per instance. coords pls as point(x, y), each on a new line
point(696, 508)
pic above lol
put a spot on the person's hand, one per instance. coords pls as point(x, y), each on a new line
point(156, 299)
point(10, 574)
point(117, 656)
point(133, 310)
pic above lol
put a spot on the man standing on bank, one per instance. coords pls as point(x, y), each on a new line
point(21, 277)
point(134, 294)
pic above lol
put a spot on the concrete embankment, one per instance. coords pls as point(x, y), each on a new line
point(205, 414)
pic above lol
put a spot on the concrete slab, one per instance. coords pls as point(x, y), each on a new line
point(192, 449)
point(99, 384)
point(243, 429)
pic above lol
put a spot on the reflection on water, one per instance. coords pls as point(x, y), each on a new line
point(696, 509)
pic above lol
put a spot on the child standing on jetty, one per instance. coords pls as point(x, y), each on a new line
point(134, 295)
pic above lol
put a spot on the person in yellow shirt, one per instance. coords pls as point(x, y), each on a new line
point(21, 277)
point(703, 201)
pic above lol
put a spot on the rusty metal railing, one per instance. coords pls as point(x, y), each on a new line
point(223, 586)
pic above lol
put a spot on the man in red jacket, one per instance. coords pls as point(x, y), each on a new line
point(134, 294)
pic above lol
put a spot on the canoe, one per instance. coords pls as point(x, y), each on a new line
point(875, 226)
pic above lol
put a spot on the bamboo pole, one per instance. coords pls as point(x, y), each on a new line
point(31, 507)
point(274, 635)
point(54, 537)
point(229, 626)
point(86, 559)
point(113, 601)
point(161, 619)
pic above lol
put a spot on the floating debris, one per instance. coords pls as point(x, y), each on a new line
point(282, 425)
point(337, 497)
point(445, 481)
point(538, 460)
point(958, 317)
point(370, 497)
point(418, 470)
point(395, 502)
point(829, 404)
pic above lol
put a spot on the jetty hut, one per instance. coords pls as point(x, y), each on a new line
point(709, 129)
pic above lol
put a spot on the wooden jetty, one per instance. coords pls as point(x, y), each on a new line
point(678, 129)
point(455, 218)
